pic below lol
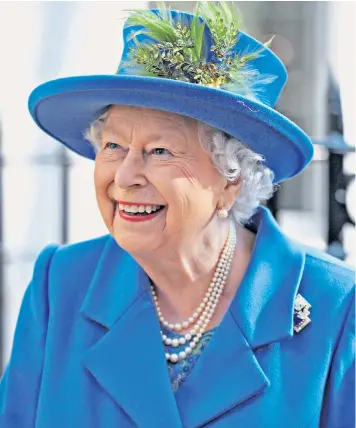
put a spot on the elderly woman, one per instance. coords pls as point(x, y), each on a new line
point(195, 310)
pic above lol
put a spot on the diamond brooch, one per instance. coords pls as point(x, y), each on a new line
point(301, 313)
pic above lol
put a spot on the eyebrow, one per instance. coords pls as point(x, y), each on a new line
point(162, 134)
point(154, 135)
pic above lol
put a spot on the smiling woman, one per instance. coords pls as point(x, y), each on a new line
point(181, 177)
point(195, 308)
point(231, 158)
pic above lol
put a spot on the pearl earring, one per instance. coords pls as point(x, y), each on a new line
point(223, 212)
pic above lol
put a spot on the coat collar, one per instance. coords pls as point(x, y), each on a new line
point(270, 284)
point(129, 362)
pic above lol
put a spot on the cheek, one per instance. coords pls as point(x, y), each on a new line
point(104, 174)
point(99, 182)
point(185, 171)
point(188, 172)
point(102, 181)
point(189, 188)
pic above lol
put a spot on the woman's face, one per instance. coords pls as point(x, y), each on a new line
point(149, 159)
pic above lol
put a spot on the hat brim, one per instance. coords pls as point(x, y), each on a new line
point(65, 108)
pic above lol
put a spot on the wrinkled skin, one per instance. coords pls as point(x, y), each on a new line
point(154, 157)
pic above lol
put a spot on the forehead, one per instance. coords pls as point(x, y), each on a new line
point(133, 114)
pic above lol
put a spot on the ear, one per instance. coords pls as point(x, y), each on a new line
point(229, 194)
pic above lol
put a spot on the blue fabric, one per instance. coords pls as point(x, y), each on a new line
point(64, 108)
point(88, 352)
point(179, 371)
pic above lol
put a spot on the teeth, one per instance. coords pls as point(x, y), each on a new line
point(138, 208)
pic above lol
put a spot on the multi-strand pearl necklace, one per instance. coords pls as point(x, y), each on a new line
point(205, 311)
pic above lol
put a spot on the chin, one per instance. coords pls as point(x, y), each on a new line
point(133, 244)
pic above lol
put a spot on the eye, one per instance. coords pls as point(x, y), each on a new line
point(111, 146)
point(160, 151)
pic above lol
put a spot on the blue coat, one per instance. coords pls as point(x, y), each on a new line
point(87, 351)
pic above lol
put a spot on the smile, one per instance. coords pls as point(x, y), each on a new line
point(138, 212)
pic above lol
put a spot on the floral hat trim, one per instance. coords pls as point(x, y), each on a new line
point(176, 50)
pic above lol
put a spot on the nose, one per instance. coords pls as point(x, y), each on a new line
point(130, 173)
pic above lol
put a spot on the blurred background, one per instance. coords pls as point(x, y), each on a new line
point(47, 193)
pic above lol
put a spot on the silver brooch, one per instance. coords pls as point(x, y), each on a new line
point(301, 313)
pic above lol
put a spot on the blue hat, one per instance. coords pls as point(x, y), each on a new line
point(199, 66)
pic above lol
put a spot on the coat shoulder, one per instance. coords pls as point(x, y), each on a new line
point(328, 272)
point(78, 258)
point(328, 284)
point(82, 252)
point(72, 268)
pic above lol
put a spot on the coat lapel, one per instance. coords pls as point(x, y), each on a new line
point(228, 373)
point(129, 360)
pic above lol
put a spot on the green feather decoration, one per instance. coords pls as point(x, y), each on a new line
point(177, 51)
point(224, 22)
point(197, 33)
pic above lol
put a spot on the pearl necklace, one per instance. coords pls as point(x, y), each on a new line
point(205, 311)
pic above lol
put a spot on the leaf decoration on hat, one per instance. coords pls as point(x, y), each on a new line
point(177, 50)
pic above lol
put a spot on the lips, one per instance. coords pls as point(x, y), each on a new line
point(138, 211)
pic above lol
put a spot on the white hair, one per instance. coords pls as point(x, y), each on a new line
point(234, 160)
